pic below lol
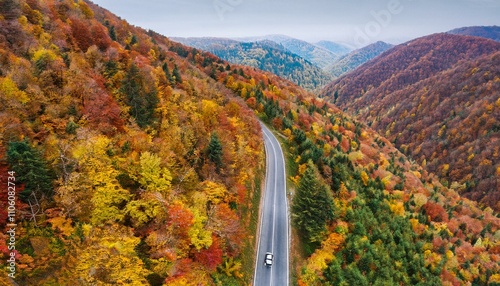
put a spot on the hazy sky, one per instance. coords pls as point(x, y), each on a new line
point(354, 22)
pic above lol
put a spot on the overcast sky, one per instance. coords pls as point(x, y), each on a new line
point(354, 22)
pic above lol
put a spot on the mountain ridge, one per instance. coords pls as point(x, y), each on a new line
point(488, 32)
point(357, 58)
point(266, 55)
point(435, 71)
point(320, 56)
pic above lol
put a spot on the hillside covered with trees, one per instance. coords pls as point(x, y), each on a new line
point(437, 99)
point(334, 47)
point(357, 58)
point(364, 213)
point(316, 54)
point(267, 56)
point(145, 156)
point(141, 168)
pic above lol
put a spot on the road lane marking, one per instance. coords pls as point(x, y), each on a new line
point(271, 142)
point(274, 200)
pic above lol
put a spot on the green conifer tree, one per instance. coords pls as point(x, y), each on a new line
point(176, 74)
point(30, 169)
point(112, 33)
point(214, 151)
point(169, 77)
point(140, 96)
point(312, 207)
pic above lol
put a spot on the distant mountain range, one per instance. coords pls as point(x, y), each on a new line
point(489, 32)
point(265, 55)
point(322, 55)
point(310, 66)
point(437, 98)
point(357, 57)
point(336, 48)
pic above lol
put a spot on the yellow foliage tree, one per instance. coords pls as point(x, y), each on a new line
point(320, 259)
point(152, 176)
point(209, 111)
point(89, 14)
point(108, 257)
point(62, 224)
point(397, 208)
point(107, 199)
point(419, 199)
point(364, 178)
point(108, 196)
point(231, 267)
point(143, 210)
point(9, 90)
point(200, 237)
point(216, 193)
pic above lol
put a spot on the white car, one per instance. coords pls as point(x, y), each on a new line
point(268, 260)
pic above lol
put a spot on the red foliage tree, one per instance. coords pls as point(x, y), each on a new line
point(103, 113)
point(101, 37)
point(436, 212)
point(231, 231)
point(180, 219)
point(210, 257)
point(81, 34)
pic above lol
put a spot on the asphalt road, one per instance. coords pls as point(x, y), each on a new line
point(274, 235)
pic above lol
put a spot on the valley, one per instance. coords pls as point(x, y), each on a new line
point(437, 104)
point(140, 160)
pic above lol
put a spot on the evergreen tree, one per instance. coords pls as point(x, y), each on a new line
point(176, 74)
point(167, 73)
point(140, 96)
point(335, 96)
point(112, 33)
point(214, 151)
point(133, 40)
point(312, 207)
point(30, 169)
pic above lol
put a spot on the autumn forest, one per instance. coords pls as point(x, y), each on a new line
point(140, 161)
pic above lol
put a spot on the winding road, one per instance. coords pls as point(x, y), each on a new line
point(274, 222)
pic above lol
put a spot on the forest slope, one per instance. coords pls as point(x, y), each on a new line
point(142, 168)
point(316, 54)
point(437, 98)
point(264, 55)
point(357, 58)
point(363, 212)
point(334, 47)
